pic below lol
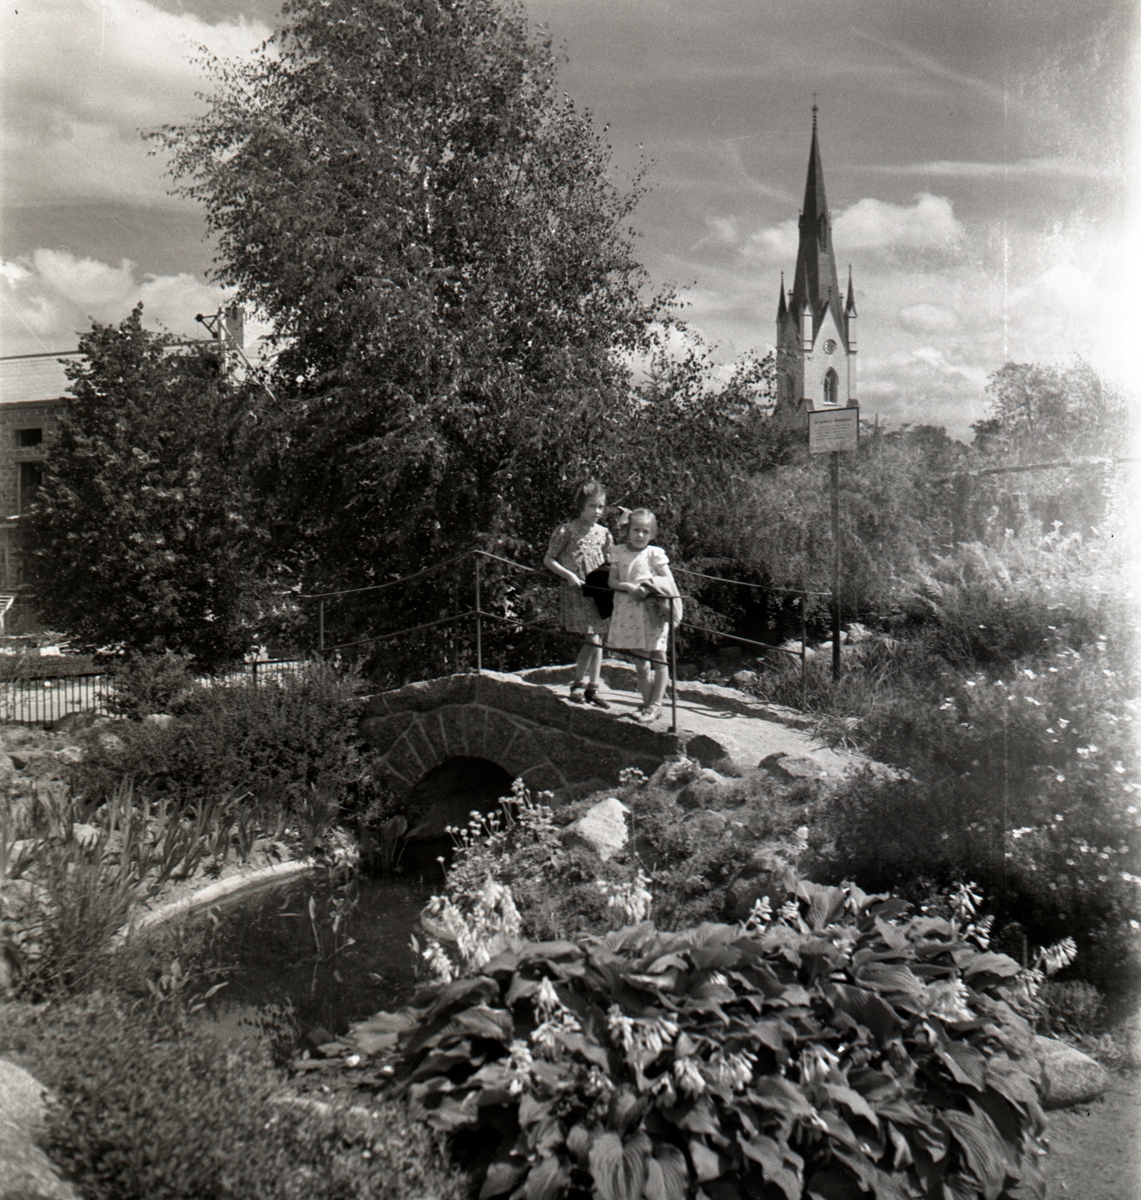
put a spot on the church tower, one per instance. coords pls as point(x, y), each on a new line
point(816, 326)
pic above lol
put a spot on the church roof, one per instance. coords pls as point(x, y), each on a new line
point(815, 281)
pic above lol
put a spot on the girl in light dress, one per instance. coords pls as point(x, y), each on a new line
point(639, 576)
point(577, 548)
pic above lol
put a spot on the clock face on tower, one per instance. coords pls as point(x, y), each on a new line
point(829, 346)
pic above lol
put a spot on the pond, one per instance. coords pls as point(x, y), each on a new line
point(334, 952)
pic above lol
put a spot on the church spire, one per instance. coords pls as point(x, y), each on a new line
point(815, 282)
point(782, 308)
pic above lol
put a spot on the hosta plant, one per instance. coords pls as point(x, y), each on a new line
point(839, 1050)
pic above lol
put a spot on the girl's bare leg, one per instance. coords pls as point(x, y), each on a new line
point(594, 659)
point(644, 685)
point(658, 690)
point(584, 662)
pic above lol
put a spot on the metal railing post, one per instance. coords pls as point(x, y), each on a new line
point(804, 651)
point(478, 620)
point(673, 668)
point(321, 625)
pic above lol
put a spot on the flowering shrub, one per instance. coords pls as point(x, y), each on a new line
point(837, 1050)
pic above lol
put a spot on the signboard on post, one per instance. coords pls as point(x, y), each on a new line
point(833, 429)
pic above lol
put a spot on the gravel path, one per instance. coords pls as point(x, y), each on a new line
point(1095, 1149)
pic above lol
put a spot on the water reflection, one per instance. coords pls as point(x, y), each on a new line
point(336, 954)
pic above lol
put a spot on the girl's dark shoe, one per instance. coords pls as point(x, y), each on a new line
point(592, 697)
point(576, 690)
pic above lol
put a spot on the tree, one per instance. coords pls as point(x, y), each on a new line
point(1039, 413)
point(433, 232)
point(1043, 414)
point(144, 532)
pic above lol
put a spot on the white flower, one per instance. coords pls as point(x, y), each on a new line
point(688, 1076)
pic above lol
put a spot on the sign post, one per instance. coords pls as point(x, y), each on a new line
point(831, 432)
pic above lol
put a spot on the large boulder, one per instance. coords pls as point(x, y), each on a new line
point(1068, 1076)
point(602, 827)
point(26, 1172)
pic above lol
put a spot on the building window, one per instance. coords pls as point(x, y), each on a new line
point(31, 479)
point(831, 387)
point(29, 437)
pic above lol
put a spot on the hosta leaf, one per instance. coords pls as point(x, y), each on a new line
point(700, 1119)
point(989, 963)
point(763, 1150)
point(893, 935)
point(966, 1064)
point(824, 903)
point(772, 1033)
point(707, 1163)
point(870, 1010)
point(667, 1175)
point(501, 1177)
point(618, 1171)
point(852, 1101)
point(780, 1094)
point(578, 1142)
point(891, 977)
point(983, 1150)
point(545, 1181)
point(485, 1022)
point(714, 958)
point(520, 989)
point(1009, 1079)
point(532, 1110)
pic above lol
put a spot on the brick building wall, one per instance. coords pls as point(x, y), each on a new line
point(26, 427)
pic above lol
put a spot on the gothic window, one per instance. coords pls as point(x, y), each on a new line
point(831, 387)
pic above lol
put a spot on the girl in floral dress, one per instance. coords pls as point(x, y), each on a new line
point(577, 548)
point(639, 575)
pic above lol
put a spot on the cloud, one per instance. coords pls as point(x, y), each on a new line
point(929, 224)
point(1027, 168)
point(82, 77)
point(929, 318)
point(50, 298)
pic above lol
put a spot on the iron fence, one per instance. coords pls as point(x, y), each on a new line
point(45, 699)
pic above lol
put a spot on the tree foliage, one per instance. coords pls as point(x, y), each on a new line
point(1040, 413)
point(434, 234)
point(145, 530)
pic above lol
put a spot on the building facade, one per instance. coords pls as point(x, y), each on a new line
point(31, 401)
point(816, 324)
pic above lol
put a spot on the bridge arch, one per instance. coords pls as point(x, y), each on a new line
point(523, 727)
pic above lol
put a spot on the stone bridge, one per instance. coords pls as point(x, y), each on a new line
point(525, 725)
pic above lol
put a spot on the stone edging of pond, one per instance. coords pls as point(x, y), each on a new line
point(222, 889)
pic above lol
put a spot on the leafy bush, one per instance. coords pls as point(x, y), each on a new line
point(838, 1050)
point(79, 870)
point(142, 684)
point(275, 739)
point(156, 1108)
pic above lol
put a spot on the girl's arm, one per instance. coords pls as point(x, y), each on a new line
point(564, 573)
point(616, 584)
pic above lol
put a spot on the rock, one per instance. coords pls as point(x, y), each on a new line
point(794, 766)
point(794, 648)
point(859, 633)
point(162, 720)
point(69, 755)
point(1068, 1076)
point(112, 743)
point(701, 791)
point(706, 824)
point(743, 678)
point(18, 761)
point(26, 1172)
point(602, 828)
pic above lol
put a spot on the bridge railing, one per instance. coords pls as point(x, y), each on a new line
point(477, 614)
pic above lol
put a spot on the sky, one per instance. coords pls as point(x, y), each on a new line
point(977, 159)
